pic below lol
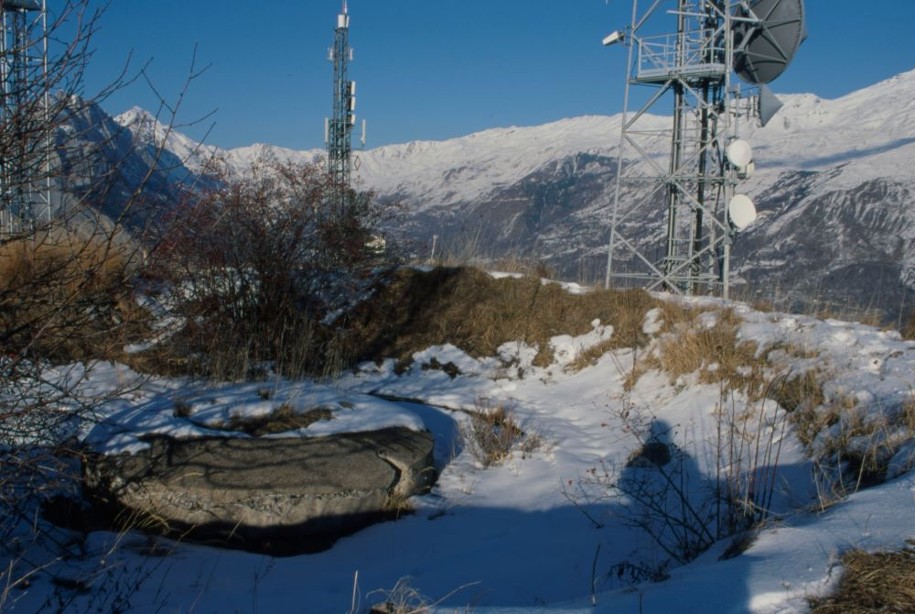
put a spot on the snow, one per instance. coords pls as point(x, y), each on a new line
point(861, 136)
point(517, 537)
point(536, 533)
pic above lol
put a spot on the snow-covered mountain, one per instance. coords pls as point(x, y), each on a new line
point(834, 183)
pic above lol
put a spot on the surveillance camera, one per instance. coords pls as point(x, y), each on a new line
point(613, 38)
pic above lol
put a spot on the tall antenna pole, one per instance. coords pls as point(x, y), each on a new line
point(24, 105)
point(339, 128)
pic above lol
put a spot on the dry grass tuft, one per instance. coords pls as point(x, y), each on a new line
point(797, 392)
point(398, 505)
point(881, 582)
point(283, 418)
point(491, 433)
point(907, 414)
point(907, 330)
point(402, 599)
point(704, 341)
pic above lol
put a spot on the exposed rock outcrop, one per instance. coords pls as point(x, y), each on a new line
point(278, 495)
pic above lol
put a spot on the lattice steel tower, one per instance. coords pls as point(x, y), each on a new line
point(25, 147)
point(338, 130)
point(705, 160)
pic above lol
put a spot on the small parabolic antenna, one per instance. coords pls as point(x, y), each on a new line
point(741, 211)
point(739, 153)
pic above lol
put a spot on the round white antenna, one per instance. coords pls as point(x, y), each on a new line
point(741, 211)
point(767, 36)
point(739, 153)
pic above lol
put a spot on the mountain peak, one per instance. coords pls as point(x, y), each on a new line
point(135, 115)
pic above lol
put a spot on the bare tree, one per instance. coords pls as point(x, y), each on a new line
point(67, 267)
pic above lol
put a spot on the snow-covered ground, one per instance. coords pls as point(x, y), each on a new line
point(537, 532)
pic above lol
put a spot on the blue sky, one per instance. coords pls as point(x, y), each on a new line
point(431, 69)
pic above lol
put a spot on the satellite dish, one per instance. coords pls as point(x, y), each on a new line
point(739, 153)
point(742, 211)
point(767, 35)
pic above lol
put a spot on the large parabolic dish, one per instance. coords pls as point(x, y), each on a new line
point(766, 38)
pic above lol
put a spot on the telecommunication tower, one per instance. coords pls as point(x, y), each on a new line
point(338, 130)
point(25, 152)
point(697, 184)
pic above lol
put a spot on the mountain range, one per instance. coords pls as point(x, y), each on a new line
point(833, 186)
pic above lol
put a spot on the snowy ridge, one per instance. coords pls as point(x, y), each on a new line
point(466, 168)
point(870, 133)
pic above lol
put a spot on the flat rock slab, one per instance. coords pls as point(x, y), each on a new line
point(265, 493)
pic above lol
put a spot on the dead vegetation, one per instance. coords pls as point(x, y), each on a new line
point(283, 418)
point(407, 311)
point(877, 582)
point(491, 433)
point(705, 341)
point(64, 296)
point(474, 311)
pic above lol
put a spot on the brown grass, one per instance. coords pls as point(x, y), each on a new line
point(407, 312)
point(477, 313)
point(881, 582)
point(907, 412)
point(63, 296)
point(713, 351)
point(907, 330)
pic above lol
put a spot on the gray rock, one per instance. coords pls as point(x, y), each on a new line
point(268, 494)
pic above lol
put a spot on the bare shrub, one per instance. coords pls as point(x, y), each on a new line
point(661, 491)
point(259, 262)
point(67, 293)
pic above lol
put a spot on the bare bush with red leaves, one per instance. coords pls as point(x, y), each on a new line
point(256, 263)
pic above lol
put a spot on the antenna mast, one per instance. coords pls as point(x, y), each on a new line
point(696, 188)
point(338, 130)
point(25, 155)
